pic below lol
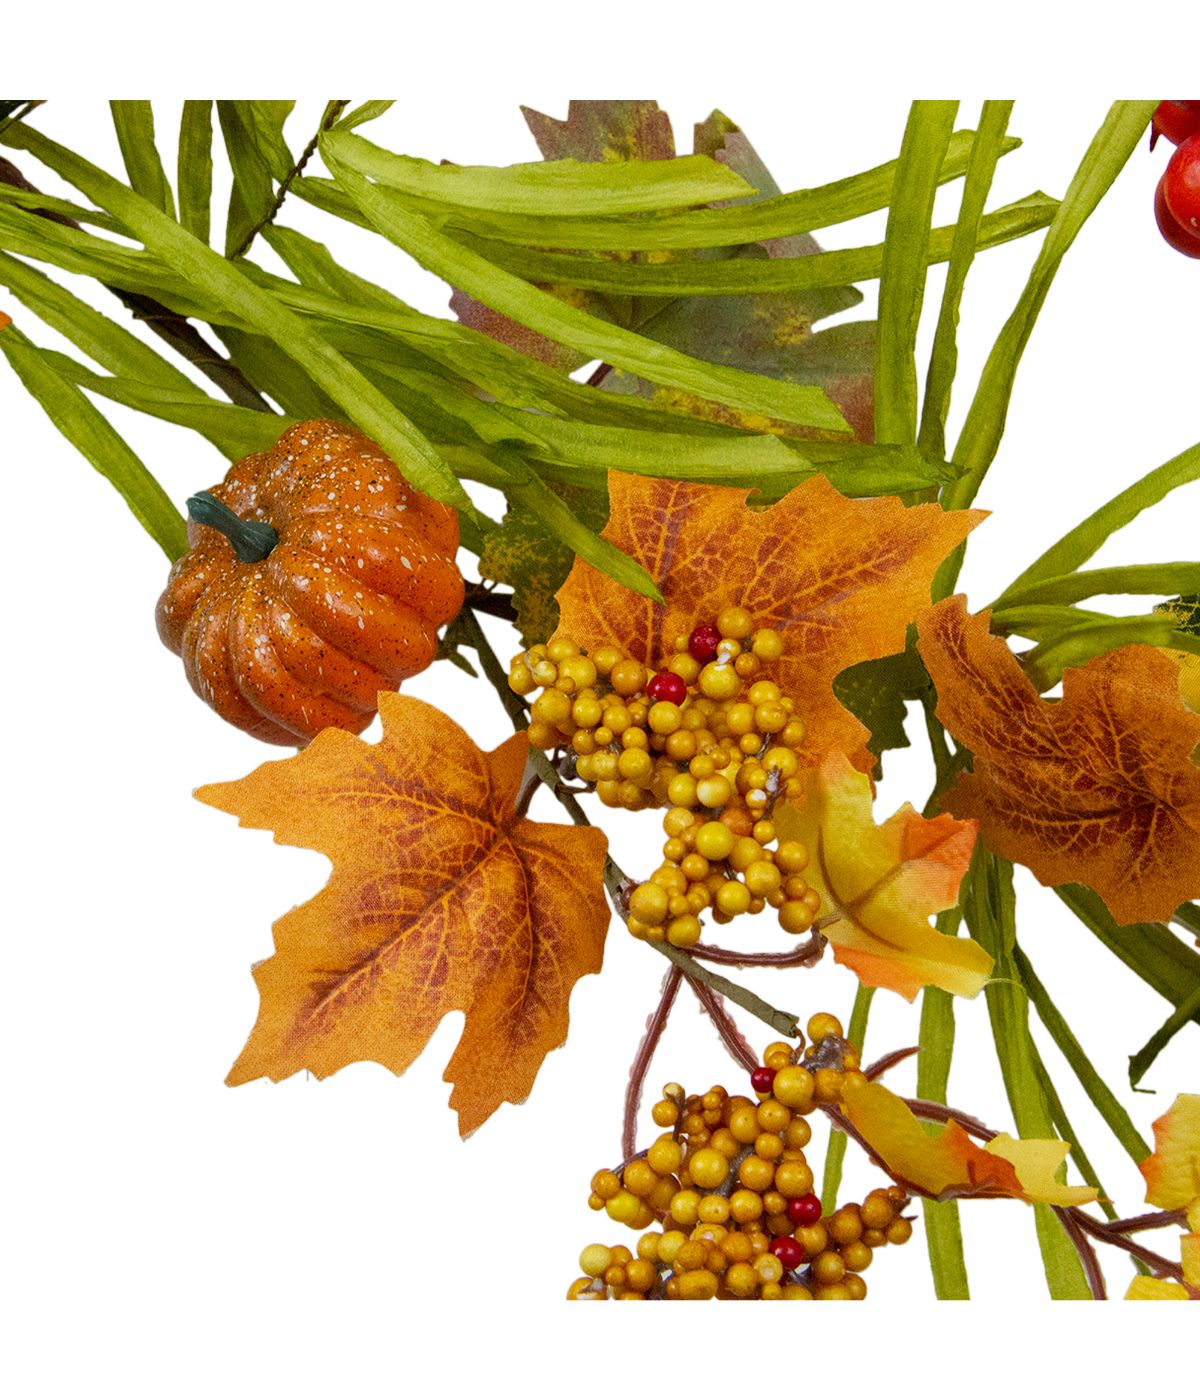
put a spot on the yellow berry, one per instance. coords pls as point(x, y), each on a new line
point(762, 878)
point(623, 1208)
point(719, 681)
point(734, 622)
point(795, 916)
point(649, 903)
point(714, 1210)
point(714, 791)
point(741, 1280)
point(520, 678)
point(733, 898)
point(684, 932)
point(791, 857)
point(684, 1206)
point(745, 852)
point(698, 1284)
point(827, 1085)
point(714, 840)
point(823, 1024)
point(794, 1087)
point(594, 1259)
point(664, 717)
point(708, 1169)
point(767, 644)
point(605, 658)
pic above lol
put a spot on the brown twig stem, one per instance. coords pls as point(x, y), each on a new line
point(655, 1026)
point(880, 1067)
point(482, 599)
point(732, 1038)
point(807, 954)
point(332, 113)
point(168, 325)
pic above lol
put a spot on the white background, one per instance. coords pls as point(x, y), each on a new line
point(165, 1234)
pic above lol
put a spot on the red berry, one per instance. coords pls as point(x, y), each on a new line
point(1181, 185)
point(804, 1210)
point(762, 1079)
point(703, 642)
point(1176, 121)
point(1180, 238)
point(667, 686)
point(789, 1251)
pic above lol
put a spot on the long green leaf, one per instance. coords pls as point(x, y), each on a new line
point(542, 312)
point(364, 112)
point(253, 191)
point(943, 1229)
point(1113, 144)
point(232, 430)
point(196, 169)
point(559, 187)
point(1188, 1010)
point(134, 122)
point(799, 212)
point(1046, 663)
point(36, 201)
point(1106, 1102)
point(991, 917)
point(87, 430)
point(835, 1153)
point(217, 278)
point(902, 276)
point(750, 275)
point(1152, 951)
point(1166, 580)
point(943, 358)
point(1079, 544)
point(118, 350)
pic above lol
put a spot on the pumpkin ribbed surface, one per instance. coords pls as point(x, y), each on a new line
point(346, 604)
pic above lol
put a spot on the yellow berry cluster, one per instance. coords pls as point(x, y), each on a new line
point(730, 1186)
point(709, 737)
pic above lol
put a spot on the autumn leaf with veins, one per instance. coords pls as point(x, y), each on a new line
point(441, 899)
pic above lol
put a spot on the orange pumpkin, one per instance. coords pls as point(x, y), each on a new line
point(317, 577)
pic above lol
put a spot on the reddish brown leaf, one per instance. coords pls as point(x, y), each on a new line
point(441, 899)
point(1097, 789)
point(840, 579)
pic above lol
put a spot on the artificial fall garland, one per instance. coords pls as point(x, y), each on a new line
point(731, 558)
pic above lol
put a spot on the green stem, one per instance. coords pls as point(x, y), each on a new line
point(252, 540)
point(836, 1152)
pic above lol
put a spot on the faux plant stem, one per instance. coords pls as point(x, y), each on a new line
point(645, 1053)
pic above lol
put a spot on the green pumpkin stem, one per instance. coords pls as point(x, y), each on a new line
point(252, 540)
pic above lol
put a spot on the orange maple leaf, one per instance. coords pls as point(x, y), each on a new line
point(949, 1164)
point(441, 899)
point(840, 579)
point(1097, 789)
point(879, 884)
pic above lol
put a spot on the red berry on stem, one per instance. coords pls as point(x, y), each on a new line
point(804, 1210)
point(789, 1251)
point(667, 686)
point(1176, 121)
point(703, 642)
point(1181, 185)
point(761, 1079)
point(1175, 234)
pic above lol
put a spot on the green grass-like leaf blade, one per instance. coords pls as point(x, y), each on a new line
point(1113, 144)
point(87, 430)
point(551, 317)
point(134, 122)
point(1187, 1010)
point(902, 275)
point(216, 278)
point(1079, 544)
point(835, 1153)
point(195, 175)
point(991, 917)
point(571, 188)
point(1106, 1102)
point(943, 358)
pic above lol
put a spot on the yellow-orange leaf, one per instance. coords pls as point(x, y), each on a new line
point(879, 884)
point(950, 1164)
point(1097, 789)
point(840, 579)
point(441, 899)
point(1172, 1170)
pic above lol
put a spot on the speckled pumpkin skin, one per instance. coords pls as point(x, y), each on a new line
point(347, 604)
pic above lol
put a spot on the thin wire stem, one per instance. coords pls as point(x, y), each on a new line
point(655, 1026)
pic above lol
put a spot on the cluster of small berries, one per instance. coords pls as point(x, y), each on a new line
point(1177, 197)
point(731, 1187)
point(710, 738)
